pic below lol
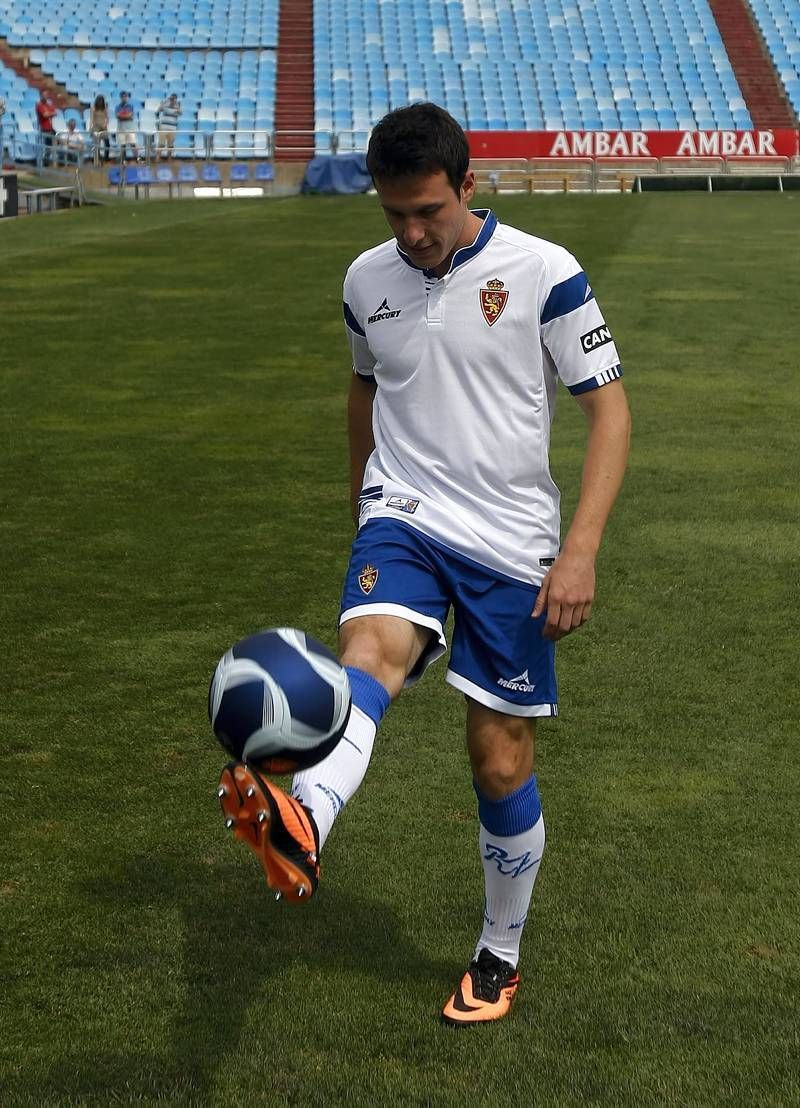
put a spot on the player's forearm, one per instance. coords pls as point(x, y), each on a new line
point(603, 470)
point(359, 426)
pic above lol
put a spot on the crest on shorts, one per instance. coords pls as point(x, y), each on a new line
point(367, 578)
point(493, 300)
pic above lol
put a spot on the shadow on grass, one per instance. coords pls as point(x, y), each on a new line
point(235, 939)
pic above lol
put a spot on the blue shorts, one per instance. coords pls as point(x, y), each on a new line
point(499, 656)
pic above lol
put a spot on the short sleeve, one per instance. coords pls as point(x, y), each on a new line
point(363, 358)
point(574, 331)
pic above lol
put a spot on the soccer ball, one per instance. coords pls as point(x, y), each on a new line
point(279, 700)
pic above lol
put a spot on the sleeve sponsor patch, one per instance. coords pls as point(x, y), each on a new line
point(599, 336)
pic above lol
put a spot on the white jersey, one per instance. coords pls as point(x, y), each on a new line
point(466, 367)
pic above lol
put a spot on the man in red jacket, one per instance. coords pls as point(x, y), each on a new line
point(45, 110)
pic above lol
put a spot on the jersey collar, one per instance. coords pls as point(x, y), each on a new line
point(465, 252)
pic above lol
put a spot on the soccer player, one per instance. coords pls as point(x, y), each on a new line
point(459, 328)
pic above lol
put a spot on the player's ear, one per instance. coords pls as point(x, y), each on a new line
point(468, 186)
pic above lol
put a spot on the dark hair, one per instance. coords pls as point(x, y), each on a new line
point(100, 103)
point(418, 140)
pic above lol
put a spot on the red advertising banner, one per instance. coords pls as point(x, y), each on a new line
point(633, 144)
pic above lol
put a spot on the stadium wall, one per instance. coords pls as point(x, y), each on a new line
point(634, 144)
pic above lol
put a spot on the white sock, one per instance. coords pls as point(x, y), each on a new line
point(510, 865)
point(326, 787)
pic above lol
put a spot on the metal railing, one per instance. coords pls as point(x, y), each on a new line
point(616, 174)
point(149, 147)
point(495, 175)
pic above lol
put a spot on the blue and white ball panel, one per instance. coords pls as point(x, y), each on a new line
point(294, 670)
point(275, 691)
point(499, 656)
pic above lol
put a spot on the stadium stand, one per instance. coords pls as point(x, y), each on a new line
point(219, 57)
point(495, 64)
point(150, 23)
point(231, 91)
point(502, 64)
point(779, 23)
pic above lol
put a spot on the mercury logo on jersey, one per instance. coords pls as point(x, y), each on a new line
point(383, 311)
point(592, 339)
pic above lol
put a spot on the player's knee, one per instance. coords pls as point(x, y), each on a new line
point(502, 756)
point(498, 777)
point(366, 651)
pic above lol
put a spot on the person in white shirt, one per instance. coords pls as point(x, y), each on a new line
point(169, 112)
point(70, 144)
point(459, 328)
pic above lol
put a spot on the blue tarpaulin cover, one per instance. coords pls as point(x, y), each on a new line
point(340, 173)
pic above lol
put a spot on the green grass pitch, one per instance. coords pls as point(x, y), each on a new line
point(173, 476)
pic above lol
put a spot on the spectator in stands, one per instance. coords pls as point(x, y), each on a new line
point(45, 110)
point(126, 126)
point(70, 145)
point(168, 112)
point(98, 127)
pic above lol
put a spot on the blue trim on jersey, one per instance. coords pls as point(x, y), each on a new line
point(512, 814)
point(485, 233)
point(566, 296)
point(604, 377)
point(351, 320)
point(368, 694)
point(465, 253)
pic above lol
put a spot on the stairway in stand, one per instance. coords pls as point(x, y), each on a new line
point(16, 58)
point(294, 83)
point(761, 87)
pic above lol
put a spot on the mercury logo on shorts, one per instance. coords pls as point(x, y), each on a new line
point(520, 683)
point(383, 311)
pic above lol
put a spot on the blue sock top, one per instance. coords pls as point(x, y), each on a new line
point(512, 814)
point(368, 694)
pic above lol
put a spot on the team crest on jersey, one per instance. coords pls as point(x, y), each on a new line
point(367, 578)
point(493, 300)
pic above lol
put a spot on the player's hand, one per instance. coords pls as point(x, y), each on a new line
point(566, 595)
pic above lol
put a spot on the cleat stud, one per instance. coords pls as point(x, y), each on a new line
point(278, 896)
point(301, 890)
point(261, 817)
point(222, 792)
point(251, 791)
point(230, 823)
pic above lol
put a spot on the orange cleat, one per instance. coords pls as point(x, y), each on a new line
point(484, 993)
point(276, 827)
